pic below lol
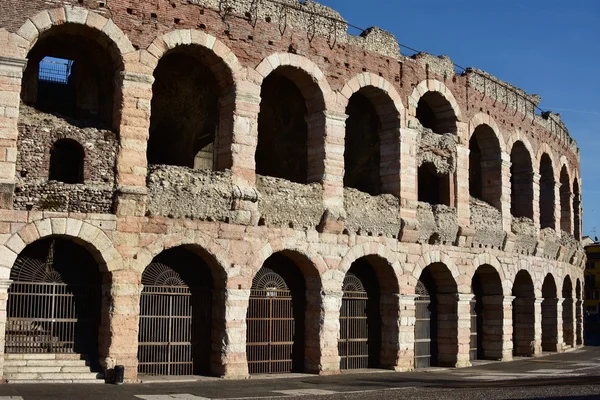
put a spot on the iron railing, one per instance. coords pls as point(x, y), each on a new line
point(353, 345)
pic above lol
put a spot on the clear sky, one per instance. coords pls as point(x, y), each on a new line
point(548, 47)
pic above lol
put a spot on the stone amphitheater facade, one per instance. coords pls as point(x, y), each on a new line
point(227, 141)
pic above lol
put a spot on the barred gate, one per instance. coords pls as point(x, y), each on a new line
point(423, 327)
point(353, 345)
point(169, 342)
point(270, 325)
point(474, 343)
point(45, 314)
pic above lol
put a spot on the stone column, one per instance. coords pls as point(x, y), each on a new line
point(328, 167)
point(408, 184)
point(569, 322)
point(551, 329)
point(536, 201)
point(461, 186)
point(11, 73)
point(579, 322)
point(4, 286)
point(559, 324)
point(406, 333)
point(524, 327)
point(497, 327)
point(322, 329)
point(454, 329)
point(557, 206)
point(505, 196)
point(537, 336)
point(118, 338)
point(230, 308)
point(132, 164)
point(464, 329)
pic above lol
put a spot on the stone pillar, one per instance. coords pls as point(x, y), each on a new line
point(331, 165)
point(11, 73)
point(322, 330)
point(557, 206)
point(398, 331)
point(454, 329)
point(536, 201)
point(118, 338)
point(579, 322)
point(408, 184)
point(569, 322)
point(230, 308)
point(406, 341)
point(551, 324)
point(524, 327)
point(559, 324)
point(536, 346)
point(497, 327)
point(461, 186)
point(4, 286)
point(463, 315)
point(505, 195)
point(132, 164)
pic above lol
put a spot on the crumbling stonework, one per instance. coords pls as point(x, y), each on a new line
point(371, 215)
point(487, 222)
point(237, 221)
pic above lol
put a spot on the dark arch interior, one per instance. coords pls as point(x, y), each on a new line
point(567, 312)
point(485, 163)
point(436, 113)
point(74, 271)
point(547, 198)
point(88, 91)
point(192, 321)
point(523, 314)
point(521, 182)
point(185, 108)
point(486, 314)
point(565, 201)
point(362, 146)
point(549, 315)
point(66, 161)
point(576, 210)
point(366, 273)
point(433, 188)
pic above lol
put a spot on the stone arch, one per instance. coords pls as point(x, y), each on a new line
point(437, 257)
point(550, 313)
point(524, 314)
point(46, 19)
point(547, 200)
point(372, 135)
point(566, 203)
point(576, 206)
point(485, 119)
point(370, 250)
point(486, 153)
point(194, 93)
point(492, 261)
point(447, 109)
point(547, 150)
point(89, 236)
point(522, 172)
point(519, 136)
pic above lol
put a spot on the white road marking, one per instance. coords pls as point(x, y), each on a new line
point(182, 396)
point(300, 392)
point(11, 398)
point(550, 371)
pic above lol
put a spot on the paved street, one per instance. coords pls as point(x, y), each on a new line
point(572, 375)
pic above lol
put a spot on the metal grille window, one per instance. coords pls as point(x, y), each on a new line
point(423, 338)
point(169, 341)
point(46, 314)
point(353, 345)
point(55, 70)
point(474, 349)
point(270, 325)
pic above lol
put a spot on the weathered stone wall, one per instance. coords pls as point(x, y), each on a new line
point(439, 150)
point(487, 222)
point(438, 224)
point(371, 215)
point(526, 235)
point(38, 132)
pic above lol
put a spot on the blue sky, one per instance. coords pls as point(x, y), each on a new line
point(549, 47)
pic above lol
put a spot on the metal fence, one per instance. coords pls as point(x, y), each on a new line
point(353, 345)
point(55, 71)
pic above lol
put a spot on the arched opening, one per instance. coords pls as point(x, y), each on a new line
point(187, 99)
point(433, 188)
point(521, 182)
point(436, 113)
point(565, 201)
point(487, 314)
point(578, 314)
point(290, 122)
point(549, 315)
point(276, 318)
point(523, 315)
point(176, 315)
point(485, 166)
point(66, 161)
point(576, 210)
point(436, 328)
point(371, 157)
point(54, 304)
point(72, 70)
point(547, 199)
point(567, 312)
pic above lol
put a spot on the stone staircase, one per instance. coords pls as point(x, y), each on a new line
point(50, 368)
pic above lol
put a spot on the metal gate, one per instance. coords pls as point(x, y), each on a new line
point(474, 348)
point(47, 315)
point(270, 325)
point(353, 345)
point(167, 335)
point(422, 327)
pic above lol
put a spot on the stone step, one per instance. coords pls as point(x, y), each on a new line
point(32, 381)
point(43, 369)
point(45, 363)
point(43, 377)
point(44, 356)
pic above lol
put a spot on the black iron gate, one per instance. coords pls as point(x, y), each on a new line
point(170, 343)
point(423, 339)
point(353, 345)
point(50, 307)
point(474, 343)
point(270, 325)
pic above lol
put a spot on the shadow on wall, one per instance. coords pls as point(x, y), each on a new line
point(592, 330)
